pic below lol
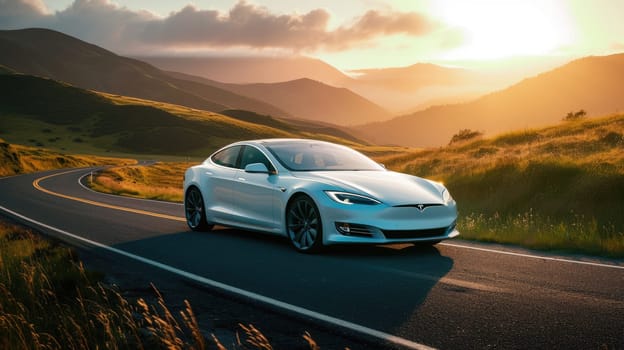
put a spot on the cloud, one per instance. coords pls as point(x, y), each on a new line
point(16, 13)
point(244, 25)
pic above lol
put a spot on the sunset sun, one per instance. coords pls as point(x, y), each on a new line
point(497, 29)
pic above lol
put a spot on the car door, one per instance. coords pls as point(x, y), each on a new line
point(220, 177)
point(255, 192)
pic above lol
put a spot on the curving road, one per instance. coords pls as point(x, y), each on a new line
point(455, 295)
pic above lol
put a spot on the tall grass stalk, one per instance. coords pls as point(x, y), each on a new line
point(576, 234)
point(48, 300)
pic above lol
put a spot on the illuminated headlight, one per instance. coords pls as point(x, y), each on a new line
point(351, 198)
point(446, 196)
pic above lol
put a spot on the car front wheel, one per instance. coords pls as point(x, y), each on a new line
point(303, 223)
point(195, 210)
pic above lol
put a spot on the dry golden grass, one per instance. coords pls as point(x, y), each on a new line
point(49, 301)
point(593, 143)
point(16, 159)
point(160, 181)
point(553, 188)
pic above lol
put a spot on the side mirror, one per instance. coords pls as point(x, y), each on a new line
point(256, 168)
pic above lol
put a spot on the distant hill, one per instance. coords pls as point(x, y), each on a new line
point(48, 53)
point(414, 77)
point(247, 70)
point(421, 85)
point(302, 126)
point(310, 99)
point(46, 113)
point(307, 99)
point(395, 89)
point(592, 84)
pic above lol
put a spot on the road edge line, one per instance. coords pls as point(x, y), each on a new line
point(234, 290)
point(541, 257)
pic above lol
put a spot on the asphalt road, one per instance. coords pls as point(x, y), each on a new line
point(456, 295)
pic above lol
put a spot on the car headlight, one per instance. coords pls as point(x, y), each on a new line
point(351, 198)
point(446, 196)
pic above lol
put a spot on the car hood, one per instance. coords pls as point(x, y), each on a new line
point(389, 187)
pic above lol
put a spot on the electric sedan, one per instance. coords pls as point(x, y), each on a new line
point(315, 193)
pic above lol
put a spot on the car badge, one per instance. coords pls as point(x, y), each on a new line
point(421, 207)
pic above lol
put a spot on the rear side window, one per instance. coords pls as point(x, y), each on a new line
point(227, 157)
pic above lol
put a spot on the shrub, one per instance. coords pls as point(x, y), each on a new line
point(464, 135)
point(571, 116)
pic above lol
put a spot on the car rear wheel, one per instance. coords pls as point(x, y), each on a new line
point(195, 210)
point(304, 226)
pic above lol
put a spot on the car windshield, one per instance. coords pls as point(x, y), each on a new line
point(319, 156)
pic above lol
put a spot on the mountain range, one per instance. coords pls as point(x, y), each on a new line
point(48, 53)
point(52, 54)
point(251, 70)
point(307, 99)
point(394, 89)
point(44, 112)
point(592, 84)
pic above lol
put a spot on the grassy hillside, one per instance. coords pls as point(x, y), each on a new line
point(557, 187)
point(591, 83)
point(46, 113)
point(16, 159)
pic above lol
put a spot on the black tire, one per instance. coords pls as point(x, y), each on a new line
point(194, 209)
point(304, 225)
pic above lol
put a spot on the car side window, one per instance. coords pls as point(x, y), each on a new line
point(253, 155)
point(227, 157)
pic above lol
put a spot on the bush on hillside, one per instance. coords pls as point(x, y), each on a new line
point(575, 115)
point(464, 135)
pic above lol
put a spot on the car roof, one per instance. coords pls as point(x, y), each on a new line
point(285, 140)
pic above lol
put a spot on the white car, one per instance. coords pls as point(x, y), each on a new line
point(315, 193)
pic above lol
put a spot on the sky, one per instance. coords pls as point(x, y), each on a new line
point(349, 34)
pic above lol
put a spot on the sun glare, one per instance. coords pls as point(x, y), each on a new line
point(496, 29)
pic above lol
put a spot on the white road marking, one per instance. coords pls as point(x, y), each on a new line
point(541, 257)
point(234, 290)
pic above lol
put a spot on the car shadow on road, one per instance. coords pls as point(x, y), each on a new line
point(380, 287)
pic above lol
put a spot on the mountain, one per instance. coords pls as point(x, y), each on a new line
point(414, 77)
point(592, 84)
point(421, 85)
point(396, 89)
point(52, 54)
point(307, 99)
point(47, 113)
point(313, 100)
point(251, 69)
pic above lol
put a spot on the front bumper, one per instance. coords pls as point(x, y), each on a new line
point(384, 224)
